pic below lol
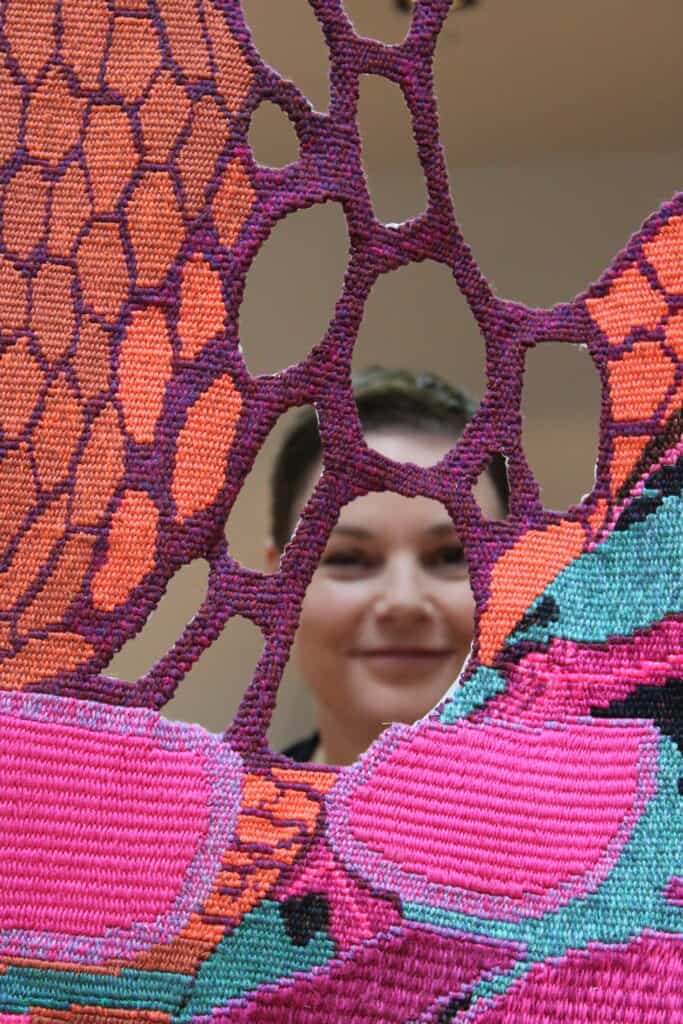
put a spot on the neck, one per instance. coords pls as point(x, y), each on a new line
point(342, 743)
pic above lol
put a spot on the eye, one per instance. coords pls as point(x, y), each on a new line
point(348, 561)
point(449, 558)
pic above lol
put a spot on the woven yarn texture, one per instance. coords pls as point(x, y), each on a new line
point(516, 857)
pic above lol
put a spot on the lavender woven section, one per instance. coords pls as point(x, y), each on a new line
point(514, 857)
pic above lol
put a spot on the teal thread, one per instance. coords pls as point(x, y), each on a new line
point(630, 901)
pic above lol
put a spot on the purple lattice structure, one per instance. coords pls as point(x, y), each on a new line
point(516, 856)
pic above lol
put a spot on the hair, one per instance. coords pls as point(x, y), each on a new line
point(423, 403)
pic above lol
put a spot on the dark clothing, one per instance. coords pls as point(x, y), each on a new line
point(303, 750)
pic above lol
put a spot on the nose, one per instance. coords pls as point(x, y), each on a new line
point(402, 595)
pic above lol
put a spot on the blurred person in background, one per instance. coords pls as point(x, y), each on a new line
point(388, 618)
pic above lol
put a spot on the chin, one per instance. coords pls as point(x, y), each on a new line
point(387, 707)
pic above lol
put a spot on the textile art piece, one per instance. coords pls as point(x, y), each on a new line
point(516, 856)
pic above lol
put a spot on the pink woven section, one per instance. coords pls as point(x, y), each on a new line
point(94, 848)
point(383, 982)
point(639, 983)
point(357, 914)
point(513, 831)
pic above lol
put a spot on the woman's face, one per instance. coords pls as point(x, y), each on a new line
point(387, 620)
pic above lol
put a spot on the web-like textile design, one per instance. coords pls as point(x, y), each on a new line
point(515, 857)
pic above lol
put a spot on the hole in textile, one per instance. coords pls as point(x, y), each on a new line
point(390, 159)
point(492, 490)
point(264, 509)
point(561, 421)
point(416, 319)
point(272, 137)
point(211, 692)
point(385, 626)
point(383, 21)
point(181, 601)
point(292, 288)
point(530, 165)
point(293, 719)
point(289, 38)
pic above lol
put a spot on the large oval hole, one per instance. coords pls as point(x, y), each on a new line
point(292, 288)
point(181, 601)
point(561, 421)
point(211, 692)
point(390, 158)
point(268, 506)
point(416, 320)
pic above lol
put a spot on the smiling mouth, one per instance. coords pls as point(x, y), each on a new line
point(406, 652)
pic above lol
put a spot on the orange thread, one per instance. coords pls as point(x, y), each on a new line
point(186, 37)
point(134, 55)
point(40, 659)
point(203, 447)
point(198, 157)
point(103, 271)
point(17, 493)
point(233, 202)
point(33, 550)
point(202, 310)
point(100, 469)
point(233, 74)
point(638, 381)
point(630, 303)
point(20, 382)
point(71, 209)
point(131, 550)
point(84, 50)
point(57, 433)
point(23, 219)
point(145, 363)
point(627, 451)
point(163, 115)
point(110, 154)
point(665, 253)
point(49, 137)
point(543, 553)
point(91, 360)
point(65, 581)
point(156, 227)
point(53, 318)
point(30, 33)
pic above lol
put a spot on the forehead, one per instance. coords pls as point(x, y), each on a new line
point(388, 516)
point(403, 445)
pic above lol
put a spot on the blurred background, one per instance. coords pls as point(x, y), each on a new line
point(561, 124)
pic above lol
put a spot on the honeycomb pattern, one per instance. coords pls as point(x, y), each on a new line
point(105, 298)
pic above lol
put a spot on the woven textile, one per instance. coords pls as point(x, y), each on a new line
point(517, 856)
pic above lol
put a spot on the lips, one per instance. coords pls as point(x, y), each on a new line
point(404, 652)
point(404, 662)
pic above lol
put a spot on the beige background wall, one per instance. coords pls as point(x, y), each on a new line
point(543, 219)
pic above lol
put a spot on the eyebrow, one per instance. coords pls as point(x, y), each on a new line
point(440, 529)
point(359, 533)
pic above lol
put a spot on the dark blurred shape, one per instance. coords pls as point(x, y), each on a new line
point(408, 5)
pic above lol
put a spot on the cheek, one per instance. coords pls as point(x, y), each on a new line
point(458, 607)
point(330, 615)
